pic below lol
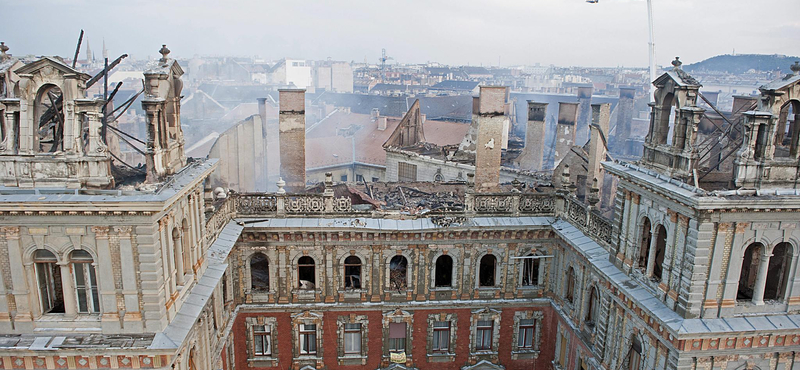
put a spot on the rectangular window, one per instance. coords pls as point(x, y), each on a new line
point(359, 178)
point(308, 339)
point(441, 336)
point(375, 179)
point(86, 288)
point(525, 336)
point(483, 335)
point(397, 337)
point(352, 338)
point(262, 343)
point(406, 172)
point(343, 178)
point(530, 271)
point(562, 357)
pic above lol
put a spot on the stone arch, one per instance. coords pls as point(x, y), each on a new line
point(366, 268)
point(49, 279)
point(48, 129)
point(662, 123)
point(660, 251)
point(259, 272)
point(569, 285)
point(787, 134)
point(455, 255)
point(61, 255)
point(295, 261)
point(353, 271)
point(487, 270)
point(444, 267)
point(778, 269)
point(751, 259)
point(645, 235)
point(398, 273)
point(397, 285)
point(306, 273)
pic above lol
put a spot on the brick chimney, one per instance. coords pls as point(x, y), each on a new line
point(292, 128)
point(534, 137)
point(565, 130)
point(584, 115)
point(491, 114)
point(624, 119)
point(601, 114)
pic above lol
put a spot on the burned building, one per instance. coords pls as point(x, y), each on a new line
point(469, 275)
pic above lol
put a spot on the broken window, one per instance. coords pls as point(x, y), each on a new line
point(644, 244)
point(634, 358)
point(761, 142)
point(444, 271)
point(778, 272)
point(661, 247)
point(305, 273)
point(747, 278)
point(788, 132)
point(85, 281)
point(49, 120)
point(259, 273)
point(397, 273)
point(352, 272)
point(530, 270)
point(48, 275)
point(486, 271)
point(569, 293)
point(406, 172)
point(591, 308)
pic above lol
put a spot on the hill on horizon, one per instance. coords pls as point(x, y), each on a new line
point(738, 64)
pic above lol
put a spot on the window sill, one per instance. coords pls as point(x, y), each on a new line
point(483, 352)
point(262, 361)
point(441, 357)
point(442, 289)
point(352, 360)
point(524, 354)
point(488, 288)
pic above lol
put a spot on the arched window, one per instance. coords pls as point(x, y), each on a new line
point(177, 255)
point(747, 278)
point(661, 247)
point(186, 246)
point(444, 271)
point(48, 275)
point(787, 136)
point(85, 281)
point(591, 308)
point(569, 293)
point(634, 359)
point(397, 273)
point(778, 272)
point(352, 272)
point(486, 271)
point(644, 244)
point(49, 125)
point(259, 273)
point(530, 270)
point(306, 273)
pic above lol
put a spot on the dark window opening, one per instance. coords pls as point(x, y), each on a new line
point(359, 178)
point(530, 271)
point(305, 273)
point(48, 275)
point(591, 311)
point(635, 355)
point(375, 179)
point(49, 120)
point(398, 273)
point(644, 244)
point(747, 278)
point(487, 270)
point(224, 288)
point(661, 247)
point(761, 142)
point(569, 294)
point(778, 272)
point(352, 272)
point(343, 178)
point(259, 273)
point(444, 271)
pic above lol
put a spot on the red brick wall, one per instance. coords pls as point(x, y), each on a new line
point(419, 344)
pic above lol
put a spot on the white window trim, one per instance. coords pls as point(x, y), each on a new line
point(350, 358)
point(254, 360)
point(450, 355)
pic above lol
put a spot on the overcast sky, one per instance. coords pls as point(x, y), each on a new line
point(488, 32)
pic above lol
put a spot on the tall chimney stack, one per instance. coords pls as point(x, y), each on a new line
point(292, 128)
point(534, 137)
point(491, 116)
point(601, 114)
point(624, 120)
point(565, 130)
point(584, 114)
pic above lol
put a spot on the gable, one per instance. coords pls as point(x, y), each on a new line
point(50, 65)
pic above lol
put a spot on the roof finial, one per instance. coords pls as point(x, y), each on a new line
point(794, 67)
point(676, 64)
point(3, 50)
point(164, 52)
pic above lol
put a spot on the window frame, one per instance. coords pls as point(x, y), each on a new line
point(306, 338)
point(485, 314)
point(439, 353)
point(352, 358)
point(522, 352)
point(397, 316)
point(263, 333)
point(48, 269)
point(302, 335)
point(254, 358)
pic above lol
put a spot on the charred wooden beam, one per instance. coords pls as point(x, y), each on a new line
point(77, 50)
